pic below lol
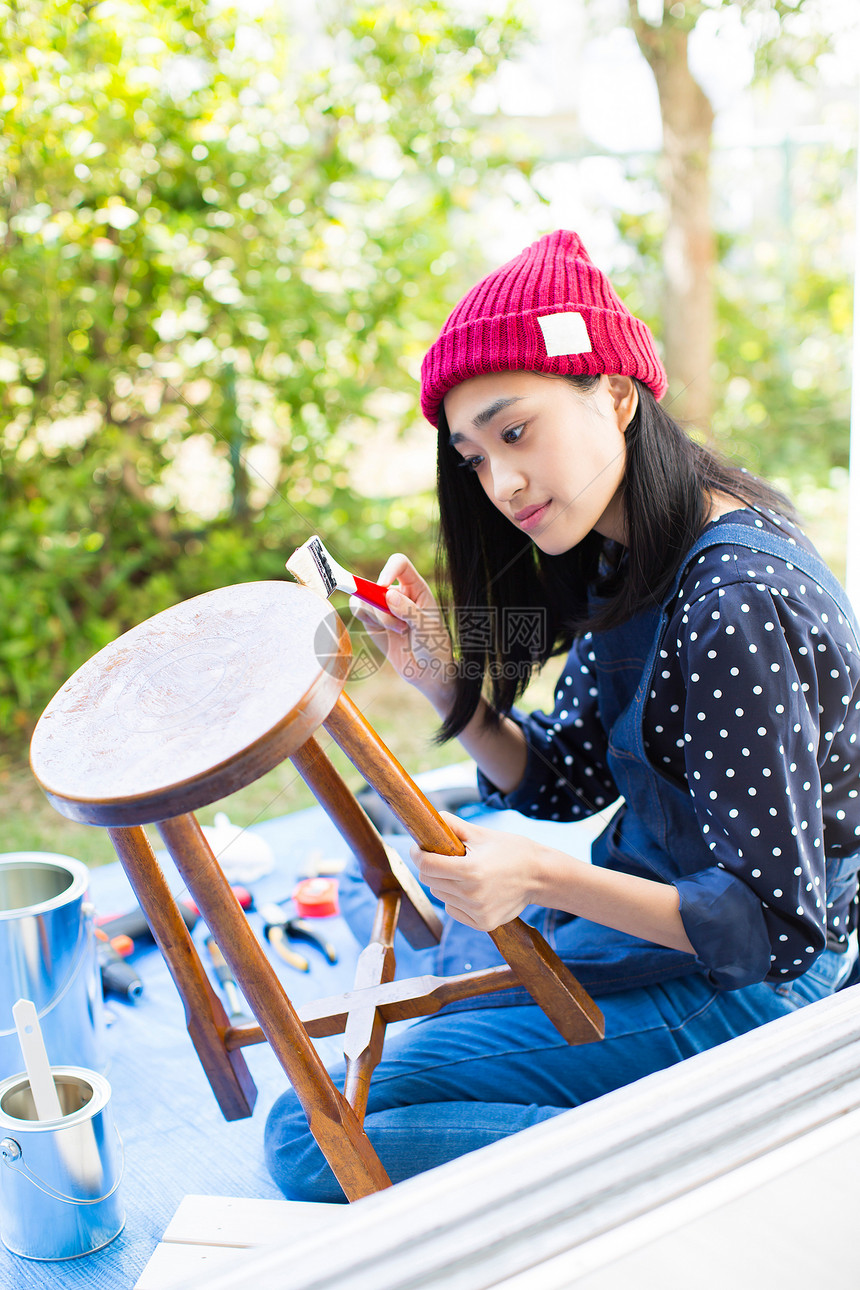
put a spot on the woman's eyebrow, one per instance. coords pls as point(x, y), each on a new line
point(485, 416)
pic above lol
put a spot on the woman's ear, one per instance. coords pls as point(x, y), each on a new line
point(625, 399)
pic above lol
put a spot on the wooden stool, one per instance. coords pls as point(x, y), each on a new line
point(191, 706)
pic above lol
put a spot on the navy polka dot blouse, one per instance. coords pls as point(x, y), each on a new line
point(755, 709)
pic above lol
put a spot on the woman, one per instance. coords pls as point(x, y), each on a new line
point(712, 683)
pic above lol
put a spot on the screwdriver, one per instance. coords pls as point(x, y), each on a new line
point(232, 994)
point(118, 977)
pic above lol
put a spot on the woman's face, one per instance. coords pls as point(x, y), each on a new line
point(550, 457)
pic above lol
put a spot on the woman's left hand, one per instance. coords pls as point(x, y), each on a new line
point(490, 884)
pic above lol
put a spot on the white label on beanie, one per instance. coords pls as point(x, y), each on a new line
point(564, 333)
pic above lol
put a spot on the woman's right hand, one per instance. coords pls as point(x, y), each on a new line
point(413, 636)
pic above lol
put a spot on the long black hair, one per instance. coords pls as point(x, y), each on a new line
point(511, 606)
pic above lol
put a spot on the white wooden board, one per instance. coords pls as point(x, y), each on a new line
point(224, 1220)
point(209, 1234)
point(173, 1267)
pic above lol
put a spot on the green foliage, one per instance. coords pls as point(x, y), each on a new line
point(785, 322)
point(784, 325)
point(213, 232)
point(784, 363)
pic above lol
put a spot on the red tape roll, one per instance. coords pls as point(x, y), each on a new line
point(316, 897)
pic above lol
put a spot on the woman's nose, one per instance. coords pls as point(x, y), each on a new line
point(507, 482)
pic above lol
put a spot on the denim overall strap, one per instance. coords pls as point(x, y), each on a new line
point(756, 540)
point(658, 833)
point(659, 824)
point(771, 544)
point(840, 871)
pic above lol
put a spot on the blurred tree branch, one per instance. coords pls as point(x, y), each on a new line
point(781, 40)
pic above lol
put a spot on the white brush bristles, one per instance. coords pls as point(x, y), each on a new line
point(302, 566)
point(312, 565)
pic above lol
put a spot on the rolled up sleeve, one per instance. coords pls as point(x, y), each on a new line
point(725, 923)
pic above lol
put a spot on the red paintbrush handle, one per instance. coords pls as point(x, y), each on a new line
point(372, 593)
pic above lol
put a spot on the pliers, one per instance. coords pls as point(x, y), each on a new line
point(279, 928)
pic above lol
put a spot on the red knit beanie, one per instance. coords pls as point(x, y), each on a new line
point(547, 310)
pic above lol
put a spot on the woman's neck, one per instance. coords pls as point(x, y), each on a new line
point(723, 504)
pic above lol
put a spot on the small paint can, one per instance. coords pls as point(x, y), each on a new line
point(59, 1179)
point(47, 954)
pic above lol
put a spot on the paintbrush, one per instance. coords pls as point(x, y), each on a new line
point(314, 568)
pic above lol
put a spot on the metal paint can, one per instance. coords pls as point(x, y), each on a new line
point(48, 954)
point(59, 1179)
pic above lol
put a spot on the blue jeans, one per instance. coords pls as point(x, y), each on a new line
point(452, 1083)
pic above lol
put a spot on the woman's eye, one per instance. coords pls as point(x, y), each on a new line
point(470, 463)
point(512, 434)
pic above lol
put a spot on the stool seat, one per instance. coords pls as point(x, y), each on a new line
point(191, 705)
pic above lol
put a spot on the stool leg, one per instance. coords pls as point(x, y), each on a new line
point(553, 986)
point(204, 1014)
point(364, 1032)
point(419, 921)
point(332, 1120)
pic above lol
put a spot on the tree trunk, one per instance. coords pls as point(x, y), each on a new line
point(689, 253)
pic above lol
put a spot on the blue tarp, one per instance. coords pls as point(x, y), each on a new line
point(175, 1139)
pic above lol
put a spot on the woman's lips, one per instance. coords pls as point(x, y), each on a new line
point(531, 515)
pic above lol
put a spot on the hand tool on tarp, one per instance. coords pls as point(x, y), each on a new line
point(227, 981)
point(279, 928)
point(118, 977)
point(133, 922)
point(134, 925)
